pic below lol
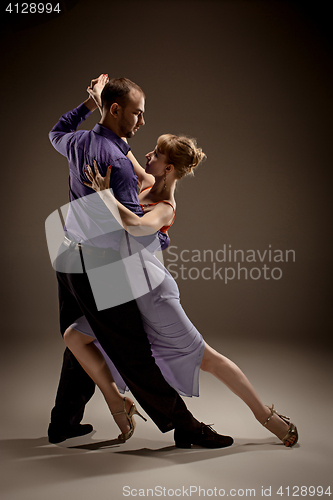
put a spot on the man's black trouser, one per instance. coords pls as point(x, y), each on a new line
point(120, 332)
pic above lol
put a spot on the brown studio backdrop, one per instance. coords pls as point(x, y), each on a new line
point(251, 81)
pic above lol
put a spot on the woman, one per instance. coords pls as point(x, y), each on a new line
point(177, 346)
point(160, 309)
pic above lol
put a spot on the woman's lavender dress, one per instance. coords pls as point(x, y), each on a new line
point(176, 344)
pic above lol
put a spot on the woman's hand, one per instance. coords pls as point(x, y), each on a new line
point(96, 87)
point(97, 182)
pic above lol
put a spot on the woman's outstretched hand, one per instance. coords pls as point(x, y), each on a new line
point(97, 181)
point(96, 87)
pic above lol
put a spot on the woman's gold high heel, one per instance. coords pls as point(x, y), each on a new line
point(133, 411)
point(291, 438)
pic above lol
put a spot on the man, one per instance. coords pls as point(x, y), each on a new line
point(92, 242)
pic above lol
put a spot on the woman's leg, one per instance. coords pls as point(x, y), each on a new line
point(94, 364)
point(228, 372)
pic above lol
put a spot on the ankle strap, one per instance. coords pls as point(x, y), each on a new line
point(120, 412)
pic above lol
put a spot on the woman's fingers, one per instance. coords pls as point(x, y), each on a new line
point(89, 173)
point(107, 177)
point(97, 181)
point(95, 80)
point(96, 167)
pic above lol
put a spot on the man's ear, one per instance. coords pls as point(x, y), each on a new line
point(114, 110)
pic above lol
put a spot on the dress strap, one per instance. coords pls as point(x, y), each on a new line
point(145, 189)
point(164, 228)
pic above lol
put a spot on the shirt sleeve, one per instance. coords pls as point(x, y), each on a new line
point(63, 132)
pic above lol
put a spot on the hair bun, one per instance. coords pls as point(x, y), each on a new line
point(182, 152)
point(198, 156)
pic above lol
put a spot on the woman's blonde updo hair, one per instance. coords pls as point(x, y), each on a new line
point(182, 152)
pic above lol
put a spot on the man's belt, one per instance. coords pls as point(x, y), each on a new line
point(89, 250)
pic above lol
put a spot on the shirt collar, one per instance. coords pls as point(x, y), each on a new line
point(106, 132)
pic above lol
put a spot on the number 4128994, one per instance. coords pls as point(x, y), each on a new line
point(32, 8)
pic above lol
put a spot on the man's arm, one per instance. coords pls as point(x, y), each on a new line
point(63, 132)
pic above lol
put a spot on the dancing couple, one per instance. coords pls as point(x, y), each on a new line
point(146, 344)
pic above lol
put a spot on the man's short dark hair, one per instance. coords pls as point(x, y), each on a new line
point(117, 90)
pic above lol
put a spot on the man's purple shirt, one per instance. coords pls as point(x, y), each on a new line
point(88, 219)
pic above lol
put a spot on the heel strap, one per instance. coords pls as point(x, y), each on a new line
point(274, 412)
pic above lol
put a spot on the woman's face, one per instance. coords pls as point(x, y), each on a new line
point(156, 163)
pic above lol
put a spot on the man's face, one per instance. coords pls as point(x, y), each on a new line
point(131, 117)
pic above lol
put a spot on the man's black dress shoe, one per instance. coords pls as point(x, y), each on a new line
point(204, 436)
point(59, 435)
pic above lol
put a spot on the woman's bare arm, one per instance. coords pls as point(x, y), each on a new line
point(149, 223)
point(144, 180)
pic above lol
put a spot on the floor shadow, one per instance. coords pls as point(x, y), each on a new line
point(39, 464)
point(97, 445)
point(37, 448)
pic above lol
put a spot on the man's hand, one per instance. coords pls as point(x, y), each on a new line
point(96, 87)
